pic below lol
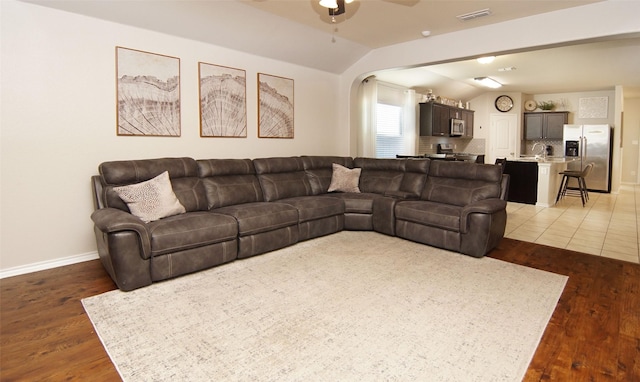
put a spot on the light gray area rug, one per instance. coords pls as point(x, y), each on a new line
point(352, 306)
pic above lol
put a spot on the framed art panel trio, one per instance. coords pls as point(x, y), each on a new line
point(148, 98)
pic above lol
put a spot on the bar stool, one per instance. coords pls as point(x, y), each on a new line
point(582, 184)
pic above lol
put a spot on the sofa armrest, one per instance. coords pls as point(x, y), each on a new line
point(504, 186)
point(112, 220)
point(486, 206)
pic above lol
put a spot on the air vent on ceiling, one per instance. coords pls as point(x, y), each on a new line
point(474, 15)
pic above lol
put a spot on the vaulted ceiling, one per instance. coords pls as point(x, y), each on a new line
point(302, 32)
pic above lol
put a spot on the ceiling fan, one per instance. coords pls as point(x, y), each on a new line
point(337, 7)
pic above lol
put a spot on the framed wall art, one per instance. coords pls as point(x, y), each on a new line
point(223, 109)
point(148, 93)
point(275, 106)
point(593, 107)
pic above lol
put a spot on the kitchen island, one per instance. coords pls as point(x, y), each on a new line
point(535, 180)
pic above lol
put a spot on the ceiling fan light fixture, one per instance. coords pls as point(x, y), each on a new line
point(331, 4)
point(488, 82)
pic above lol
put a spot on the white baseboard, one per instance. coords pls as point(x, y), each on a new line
point(49, 264)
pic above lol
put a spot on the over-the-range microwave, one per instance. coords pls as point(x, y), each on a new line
point(457, 127)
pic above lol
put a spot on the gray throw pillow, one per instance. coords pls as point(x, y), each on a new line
point(344, 179)
point(151, 200)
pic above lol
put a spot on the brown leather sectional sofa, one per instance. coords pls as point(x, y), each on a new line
point(237, 208)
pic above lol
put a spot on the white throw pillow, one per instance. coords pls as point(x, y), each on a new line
point(344, 179)
point(152, 199)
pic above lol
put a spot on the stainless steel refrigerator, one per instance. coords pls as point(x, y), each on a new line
point(590, 144)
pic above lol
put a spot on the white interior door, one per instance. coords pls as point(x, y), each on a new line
point(502, 136)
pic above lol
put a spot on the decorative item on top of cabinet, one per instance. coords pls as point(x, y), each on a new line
point(530, 105)
point(435, 119)
point(545, 125)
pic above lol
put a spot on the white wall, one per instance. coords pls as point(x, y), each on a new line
point(631, 141)
point(58, 123)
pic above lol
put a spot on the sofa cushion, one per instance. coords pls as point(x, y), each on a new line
point(152, 199)
point(261, 217)
point(380, 176)
point(315, 207)
point(232, 189)
point(355, 203)
point(344, 179)
point(433, 214)
point(190, 230)
point(229, 181)
point(415, 176)
point(282, 178)
point(183, 173)
point(319, 170)
point(222, 167)
point(461, 183)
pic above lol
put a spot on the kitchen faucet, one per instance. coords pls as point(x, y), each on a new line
point(544, 149)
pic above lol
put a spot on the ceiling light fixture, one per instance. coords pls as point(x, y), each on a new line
point(474, 14)
point(336, 7)
point(331, 4)
point(488, 82)
point(486, 59)
point(425, 33)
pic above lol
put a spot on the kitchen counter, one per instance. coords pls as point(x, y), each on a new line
point(463, 157)
point(523, 182)
point(543, 159)
point(549, 181)
point(548, 177)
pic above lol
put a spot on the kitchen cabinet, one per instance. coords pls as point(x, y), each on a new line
point(467, 116)
point(535, 181)
point(545, 125)
point(435, 119)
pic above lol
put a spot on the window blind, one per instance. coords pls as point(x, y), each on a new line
point(393, 134)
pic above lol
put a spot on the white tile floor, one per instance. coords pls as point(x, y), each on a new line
point(607, 226)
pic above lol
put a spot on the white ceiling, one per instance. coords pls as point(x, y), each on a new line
point(585, 67)
point(301, 32)
point(378, 23)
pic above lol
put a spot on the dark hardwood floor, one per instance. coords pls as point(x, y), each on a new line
point(594, 334)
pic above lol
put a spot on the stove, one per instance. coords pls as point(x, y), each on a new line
point(445, 151)
point(445, 148)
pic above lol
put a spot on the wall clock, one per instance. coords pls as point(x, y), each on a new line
point(504, 103)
